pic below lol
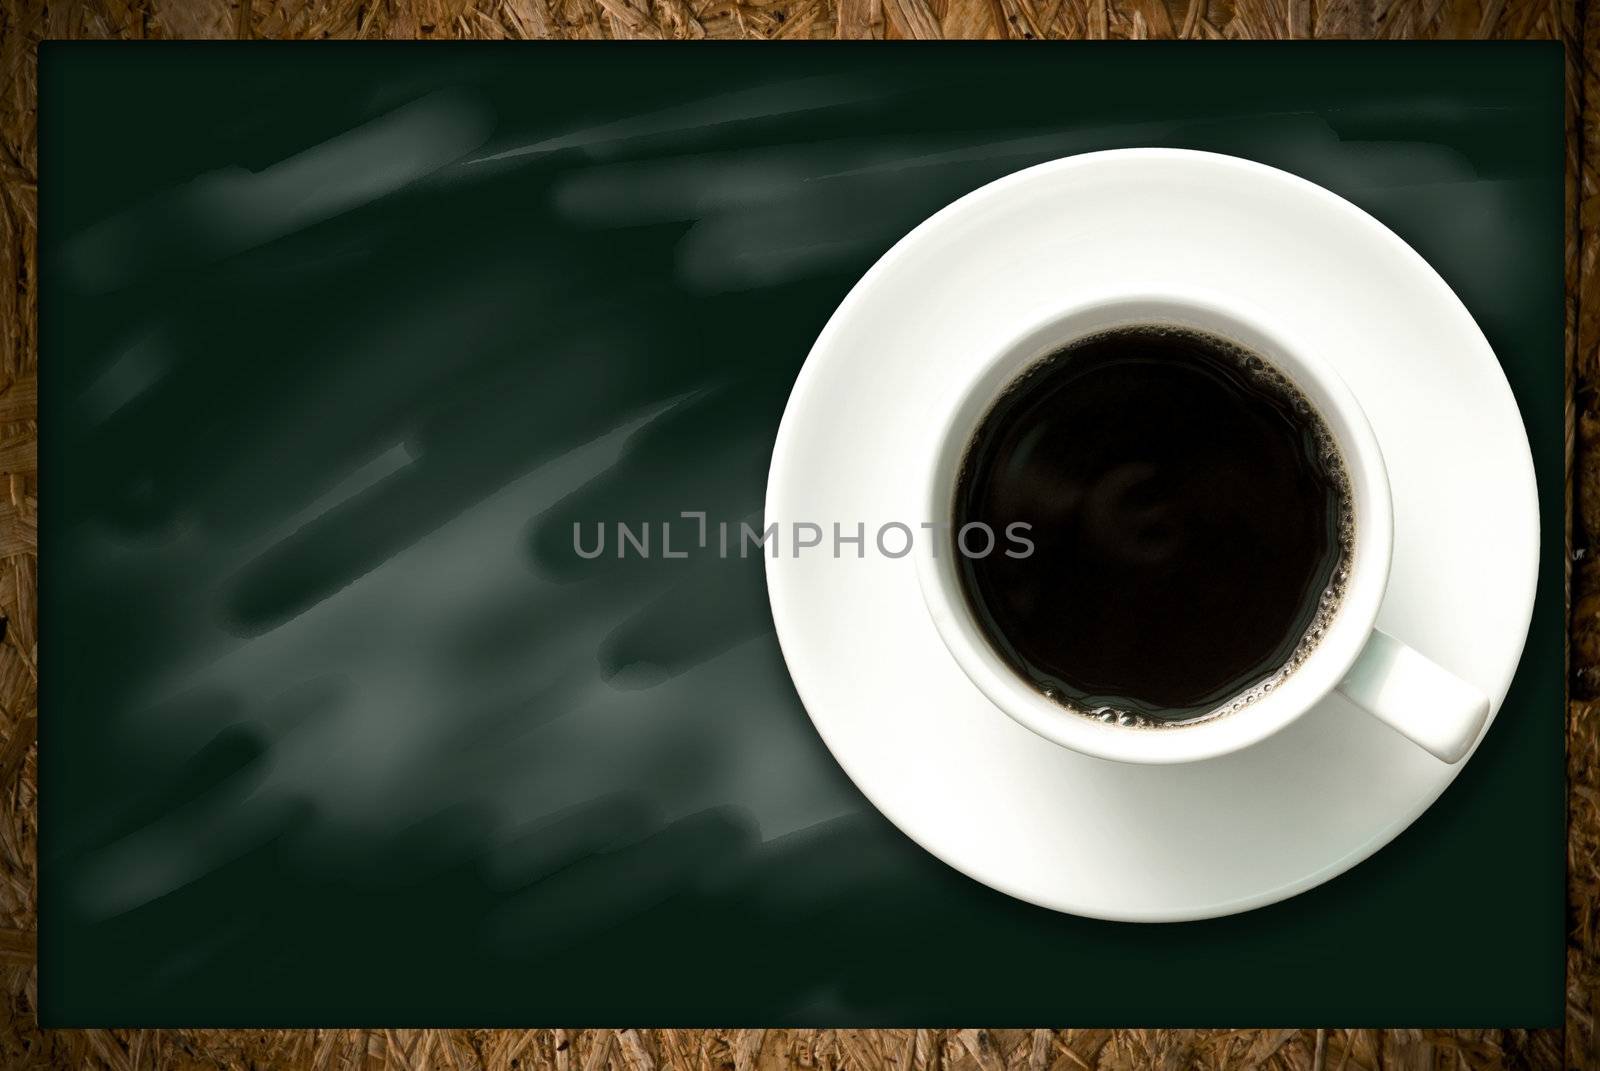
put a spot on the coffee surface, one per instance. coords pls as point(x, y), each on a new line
point(1190, 521)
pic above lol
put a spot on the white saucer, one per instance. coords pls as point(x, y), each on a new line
point(1024, 815)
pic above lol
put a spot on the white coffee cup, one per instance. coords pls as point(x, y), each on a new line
point(1394, 683)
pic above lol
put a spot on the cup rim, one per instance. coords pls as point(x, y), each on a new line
point(955, 420)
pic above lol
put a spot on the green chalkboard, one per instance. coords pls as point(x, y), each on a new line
point(339, 341)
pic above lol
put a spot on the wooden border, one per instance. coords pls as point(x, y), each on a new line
point(24, 23)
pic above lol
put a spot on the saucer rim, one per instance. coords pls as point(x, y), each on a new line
point(805, 386)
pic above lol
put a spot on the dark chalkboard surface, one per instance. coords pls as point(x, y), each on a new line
point(339, 341)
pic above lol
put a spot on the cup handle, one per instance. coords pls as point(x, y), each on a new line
point(1416, 697)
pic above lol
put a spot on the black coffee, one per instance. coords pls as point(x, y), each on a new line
point(1190, 520)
